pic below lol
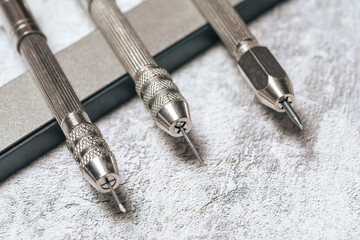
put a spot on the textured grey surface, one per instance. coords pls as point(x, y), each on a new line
point(263, 178)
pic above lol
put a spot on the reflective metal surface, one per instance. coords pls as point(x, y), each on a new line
point(266, 77)
point(153, 84)
point(18, 20)
point(171, 115)
point(264, 74)
point(83, 138)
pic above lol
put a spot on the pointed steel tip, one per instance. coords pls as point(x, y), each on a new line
point(188, 140)
point(201, 161)
point(121, 207)
point(298, 123)
point(292, 114)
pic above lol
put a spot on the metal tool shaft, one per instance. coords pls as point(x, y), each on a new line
point(83, 138)
point(120, 35)
point(154, 85)
point(232, 30)
point(50, 78)
point(262, 71)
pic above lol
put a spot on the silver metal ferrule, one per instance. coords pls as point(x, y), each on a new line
point(83, 138)
point(266, 77)
point(153, 84)
point(259, 67)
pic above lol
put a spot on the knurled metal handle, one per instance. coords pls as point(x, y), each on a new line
point(90, 150)
point(86, 142)
point(49, 76)
point(156, 88)
point(120, 35)
point(228, 25)
point(83, 138)
point(153, 84)
point(260, 68)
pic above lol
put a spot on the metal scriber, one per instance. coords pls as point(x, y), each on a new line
point(121, 207)
point(263, 72)
point(154, 85)
point(83, 138)
point(188, 140)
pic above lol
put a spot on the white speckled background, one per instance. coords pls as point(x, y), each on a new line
point(263, 178)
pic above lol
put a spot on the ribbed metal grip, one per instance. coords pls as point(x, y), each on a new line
point(49, 76)
point(156, 89)
point(90, 151)
point(259, 67)
point(19, 21)
point(153, 84)
point(84, 139)
point(85, 142)
point(120, 35)
point(228, 25)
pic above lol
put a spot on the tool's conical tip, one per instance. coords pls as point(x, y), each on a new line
point(188, 140)
point(121, 207)
point(292, 114)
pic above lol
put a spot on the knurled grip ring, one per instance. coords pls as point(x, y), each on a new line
point(90, 151)
point(86, 143)
point(156, 88)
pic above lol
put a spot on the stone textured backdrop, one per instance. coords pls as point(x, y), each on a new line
point(263, 179)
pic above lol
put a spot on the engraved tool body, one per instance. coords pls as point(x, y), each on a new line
point(154, 85)
point(264, 74)
point(83, 138)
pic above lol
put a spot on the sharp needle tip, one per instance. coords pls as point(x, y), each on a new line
point(292, 114)
point(188, 140)
point(121, 207)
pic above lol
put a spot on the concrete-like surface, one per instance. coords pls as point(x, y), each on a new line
point(263, 178)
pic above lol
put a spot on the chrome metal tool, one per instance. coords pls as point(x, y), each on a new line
point(83, 138)
point(263, 72)
point(154, 85)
